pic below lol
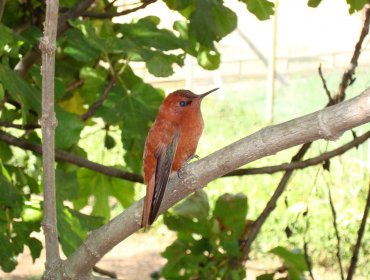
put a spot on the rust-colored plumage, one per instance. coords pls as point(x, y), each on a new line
point(171, 141)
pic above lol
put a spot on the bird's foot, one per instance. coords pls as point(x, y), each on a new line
point(191, 158)
point(181, 173)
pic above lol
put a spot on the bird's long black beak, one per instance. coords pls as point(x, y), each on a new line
point(208, 92)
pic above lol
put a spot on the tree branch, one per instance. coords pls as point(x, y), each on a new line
point(125, 12)
point(19, 126)
point(49, 223)
point(360, 234)
point(68, 157)
point(301, 164)
point(348, 78)
point(327, 91)
point(327, 123)
point(95, 106)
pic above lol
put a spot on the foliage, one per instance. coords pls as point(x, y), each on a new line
point(91, 52)
point(207, 244)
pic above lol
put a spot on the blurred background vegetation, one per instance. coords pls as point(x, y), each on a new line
point(123, 68)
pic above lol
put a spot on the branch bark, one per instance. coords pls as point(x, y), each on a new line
point(49, 223)
point(328, 123)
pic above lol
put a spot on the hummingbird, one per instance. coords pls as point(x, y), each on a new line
point(171, 142)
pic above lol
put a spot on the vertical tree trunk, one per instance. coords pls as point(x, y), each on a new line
point(49, 224)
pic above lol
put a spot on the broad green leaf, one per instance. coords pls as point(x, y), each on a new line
point(313, 3)
point(211, 21)
point(94, 83)
point(140, 102)
point(5, 152)
point(73, 227)
point(35, 247)
point(74, 105)
point(268, 276)
point(68, 129)
point(295, 262)
point(235, 204)
point(9, 41)
point(103, 187)
point(262, 9)
point(10, 195)
point(20, 90)
point(356, 5)
point(209, 59)
point(66, 184)
point(195, 206)
point(146, 33)
point(78, 47)
point(160, 65)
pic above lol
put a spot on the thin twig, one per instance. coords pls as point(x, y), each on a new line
point(124, 12)
point(68, 157)
point(301, 164)
point(29, 126)
point(74, 85)
point(95, 106)
point(305, 247)
point(360, 234)
point(49, 223)
point(348, 76)
point(327, 91)
point(335, 225)
point(101, 271)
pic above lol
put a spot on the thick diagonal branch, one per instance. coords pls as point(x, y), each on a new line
point(329, 122)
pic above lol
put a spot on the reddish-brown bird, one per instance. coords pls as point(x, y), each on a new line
point(171, 141)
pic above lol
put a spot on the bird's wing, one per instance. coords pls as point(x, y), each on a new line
point(165, 157)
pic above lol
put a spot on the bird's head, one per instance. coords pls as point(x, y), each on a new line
point(181, 101)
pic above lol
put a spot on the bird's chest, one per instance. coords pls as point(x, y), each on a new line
point(190, 131)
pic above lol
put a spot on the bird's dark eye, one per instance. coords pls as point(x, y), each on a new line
point(184, 103)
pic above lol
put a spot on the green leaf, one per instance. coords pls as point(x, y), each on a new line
point(20, 90)
point(5, 152)
point(94, 83)
point(140, 102)
point(68, 129)
point(195, 206)
point(66, 184)
point(356, 5)
point(313, 3)
point(102, 187)
point(262, 9)
point(230, 203)
point(295, 262)
point(268, 276)
point(211, 21)
point(160, 65)
point(10, 41)
point(35, 247)
point(10, 195)
point(146, 33)
point(78, 47)
point(73, 227)
point(209, 59)
point(109, 141)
